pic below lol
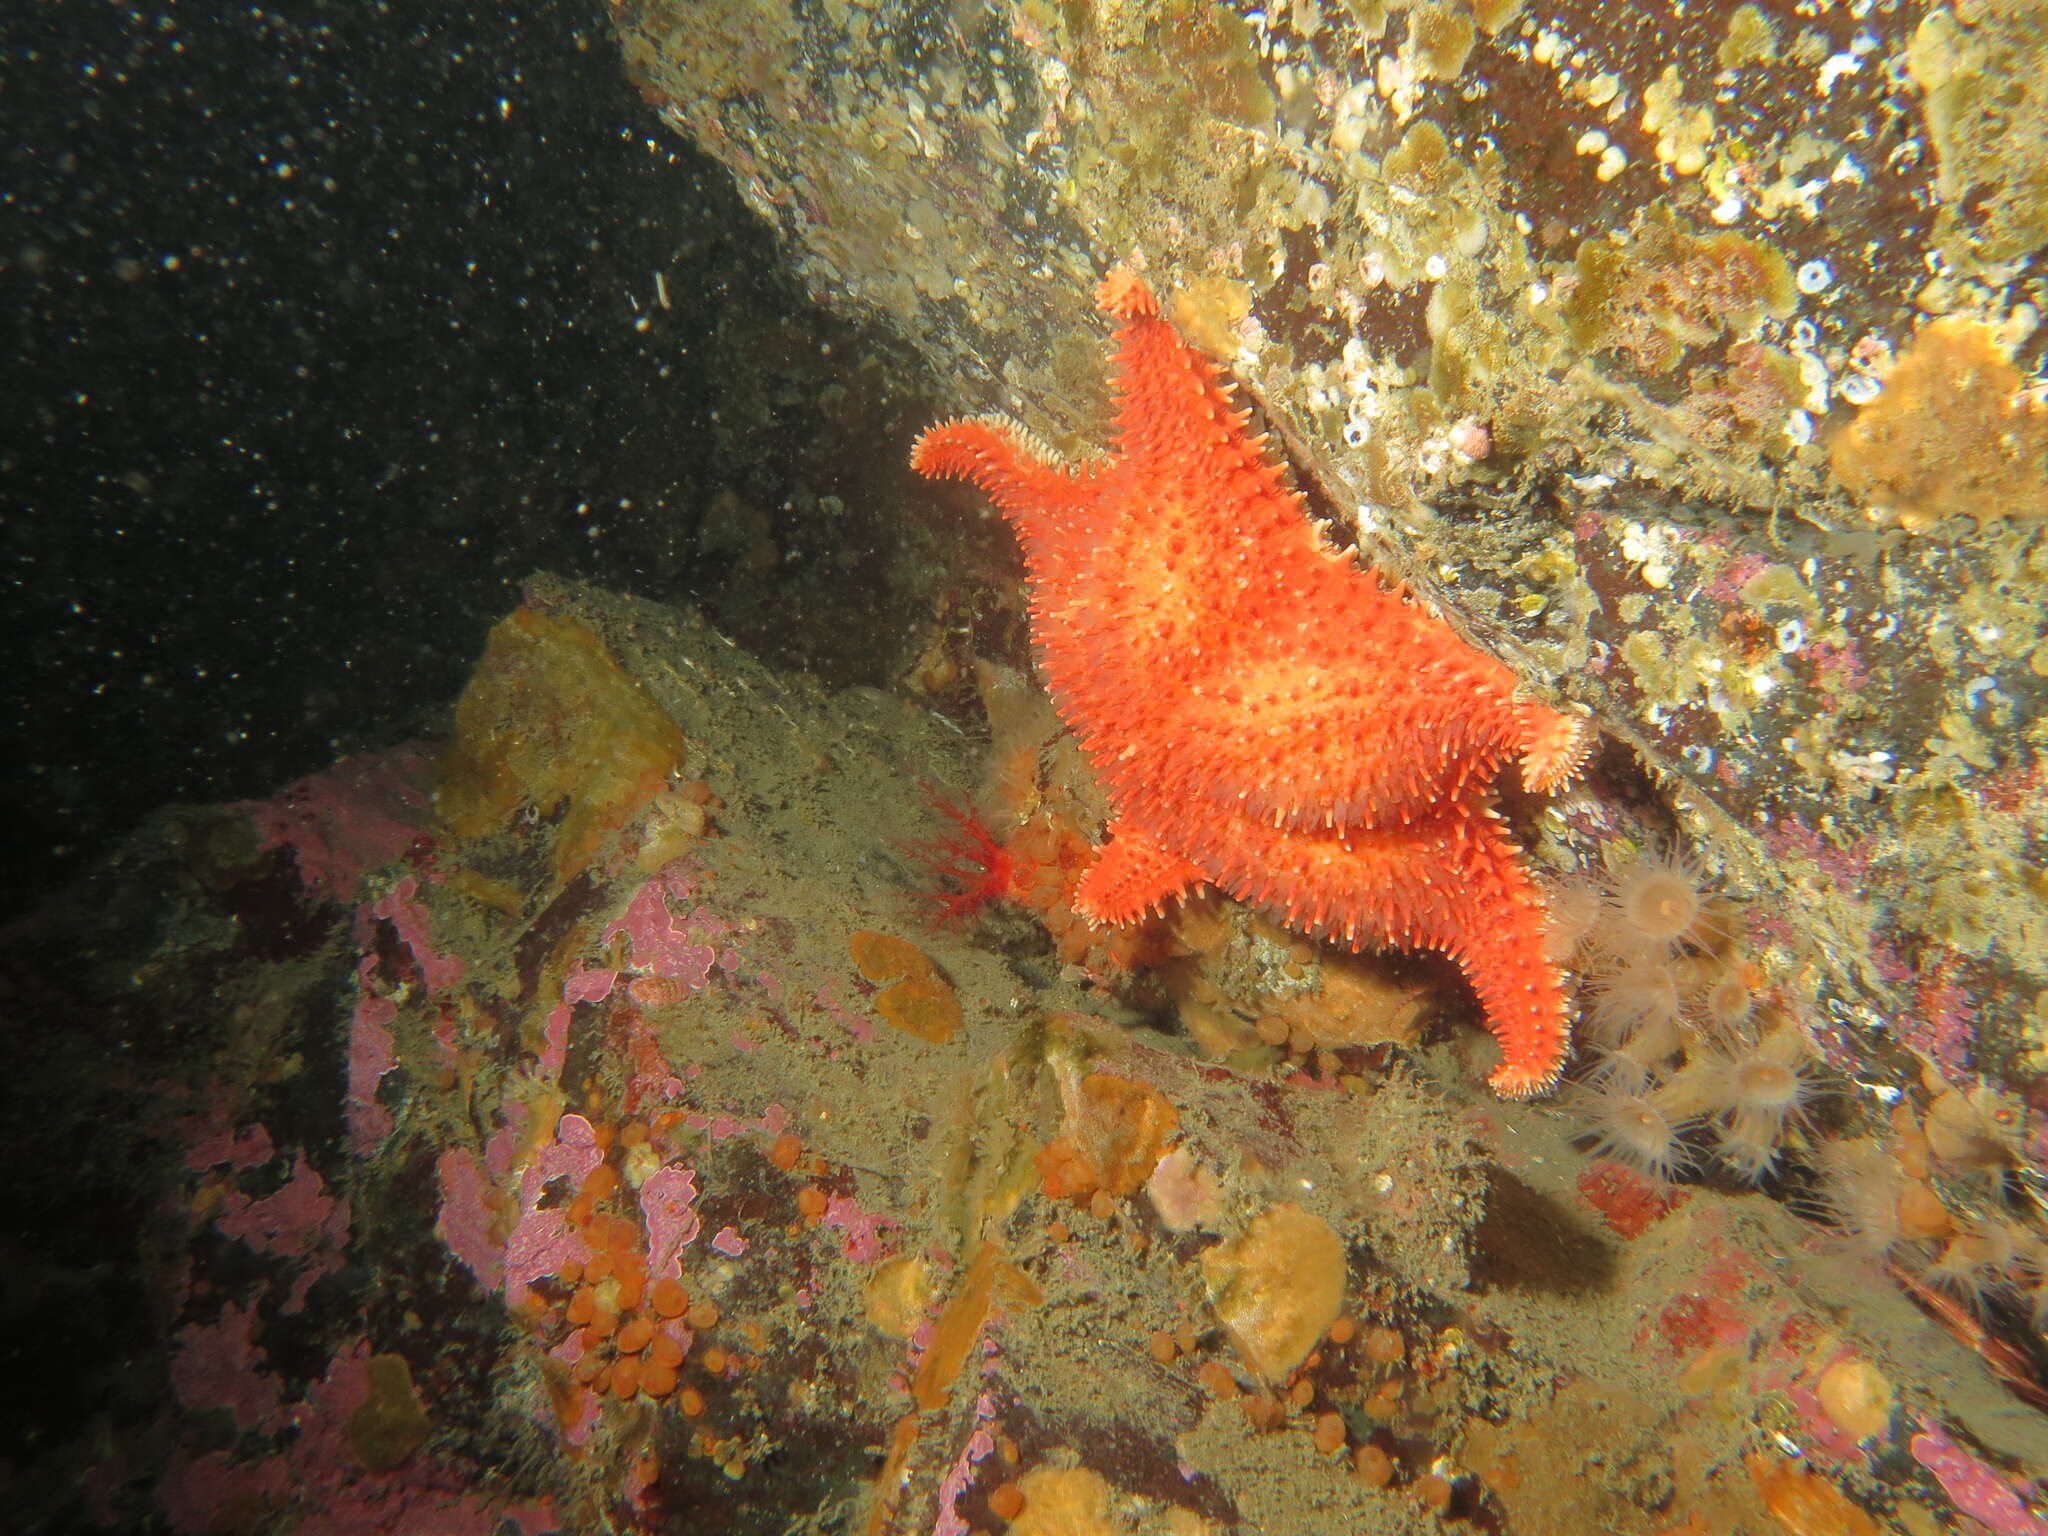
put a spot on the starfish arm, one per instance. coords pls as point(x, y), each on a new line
point(1453, 884)
point(1133, 876)
point(1038, 494)
point(1554, 747)
point(1174, 408)
point(1492, 923)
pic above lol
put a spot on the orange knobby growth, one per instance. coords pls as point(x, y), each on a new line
point(1112, 1136)
point(1804, 1502)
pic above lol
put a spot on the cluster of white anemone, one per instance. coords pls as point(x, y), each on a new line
point(1680, 1058)
point(1942, 1199)
point(1682, 1065)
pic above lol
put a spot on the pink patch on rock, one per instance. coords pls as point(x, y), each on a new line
point(1890, 963)
point(1942, 1023)
point(856, 1022)
point(251, 1149)
point(1977, 1489)
point(554, 1051)
point(410, 921)
point(300, 1220)
point(540, 1245)
point(1628, 1202)
point(863, 1242)
point(662, 943)
point(653, 1079)
point(588, 986)
point(465, 1220)
point(371, 1050)
point(1820, 1432)
point(542, 1240)
point(193, 1492)
point(341, 1499)
point(371, 1054)
point(729, 1242)
point(218, 1365)
point(960, 1478)
point(317, 1486)
point(572, 1154)
point(665, 1201)
point(1791, 838)
point(502, 1150)
point(578, 1430)
point(1691, 1322)
point(362, 812)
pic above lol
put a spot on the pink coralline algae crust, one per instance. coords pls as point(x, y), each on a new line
point(361, 813)
point(466, 1223)
point(730, 1243)
point(218, 1365)
point(572, 1153)
point(465, 1220)
point(554, 1050)
point(1891, 965)
point(1725, 587)
point(856, 1021)
point(588, 986)
point(501, 1152)
point(1717, 1308)
point(371, 1054)
point(1849, 868)
point(252, 1148)
point(1976, 1489)
point(723, 1126)
point(193, 1493)
point(663, 944)
point(410, 921)
point(863, 1241)
point(371, 1050)
point(960, 1476)
point(317, 1486)
point(665, 1205)
point(1818, 1432)
point(542, 1240)
point(541, 1244)
point(299, 1221)
point(577, 1429)
point(678, 948)
point(1838, 669)
point(653, 1079)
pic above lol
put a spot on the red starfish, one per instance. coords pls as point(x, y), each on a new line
point(1266, 715)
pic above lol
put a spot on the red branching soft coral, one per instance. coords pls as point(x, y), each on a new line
point(969, 865)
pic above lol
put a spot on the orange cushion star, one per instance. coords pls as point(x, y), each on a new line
point(1265, 715)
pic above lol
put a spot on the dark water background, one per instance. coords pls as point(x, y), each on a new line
point(331, 322)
